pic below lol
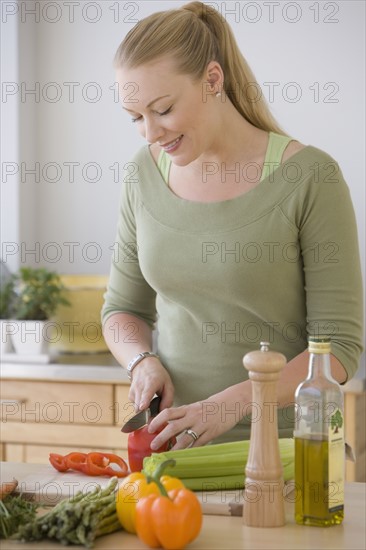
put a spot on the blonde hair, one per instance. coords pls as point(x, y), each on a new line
point(194, 35)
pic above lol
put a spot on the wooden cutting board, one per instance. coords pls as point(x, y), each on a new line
point(43, 484)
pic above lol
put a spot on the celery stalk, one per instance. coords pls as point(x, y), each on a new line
point(212, 449)
point(201, 466)
point(216, 464)
point(226, 482)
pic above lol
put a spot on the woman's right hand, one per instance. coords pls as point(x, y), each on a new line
point(126, 336)
point(149, 377)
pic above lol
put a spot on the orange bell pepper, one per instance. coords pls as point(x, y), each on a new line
point(171, 521)
point(136, 486)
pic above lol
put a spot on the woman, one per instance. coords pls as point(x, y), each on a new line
point(230, 233)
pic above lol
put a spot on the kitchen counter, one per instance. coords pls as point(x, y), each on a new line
point(98, 378)
point(224, 532)
point(93, 367)
point(96, 367)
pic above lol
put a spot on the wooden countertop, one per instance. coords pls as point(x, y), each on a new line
point(229, 533)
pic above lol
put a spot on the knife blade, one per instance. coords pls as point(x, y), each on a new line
point(142, 418)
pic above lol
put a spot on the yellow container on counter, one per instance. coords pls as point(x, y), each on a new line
point(77, 327)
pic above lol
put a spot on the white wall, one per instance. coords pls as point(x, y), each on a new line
point(313, 49)
point(9, 192)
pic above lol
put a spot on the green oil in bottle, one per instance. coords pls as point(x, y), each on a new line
point(319, 500)
point(319, 442)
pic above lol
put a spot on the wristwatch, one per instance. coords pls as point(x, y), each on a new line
point(136, 360)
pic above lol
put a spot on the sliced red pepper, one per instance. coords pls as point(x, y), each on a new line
point(91, 464)
point(98, 464)
point(58, 462)
point(76, 461)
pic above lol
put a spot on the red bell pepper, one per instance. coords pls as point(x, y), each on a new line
point(139, 446)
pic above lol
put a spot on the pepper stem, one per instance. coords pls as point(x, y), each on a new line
point(158, 474)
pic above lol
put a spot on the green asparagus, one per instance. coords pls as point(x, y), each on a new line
point(79, 520)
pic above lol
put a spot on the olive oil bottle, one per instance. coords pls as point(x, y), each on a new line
point(319, 442)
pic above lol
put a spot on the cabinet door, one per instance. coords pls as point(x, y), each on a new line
point(56, 402)
point(38, 454)
point(64, 435)
point(123, 408)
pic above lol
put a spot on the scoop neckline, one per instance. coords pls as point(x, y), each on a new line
point(242, 196)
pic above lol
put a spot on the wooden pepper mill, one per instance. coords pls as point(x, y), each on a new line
point(263, 493)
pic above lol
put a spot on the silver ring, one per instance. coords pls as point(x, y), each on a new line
point(192, 433)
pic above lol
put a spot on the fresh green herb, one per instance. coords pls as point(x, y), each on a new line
point(14, 511)
point(79, 520)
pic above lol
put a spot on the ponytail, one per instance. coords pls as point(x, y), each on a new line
point(194, 35)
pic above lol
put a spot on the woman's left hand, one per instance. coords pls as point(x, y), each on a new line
point(205, 419)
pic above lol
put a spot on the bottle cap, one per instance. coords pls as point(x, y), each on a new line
point(319, 344)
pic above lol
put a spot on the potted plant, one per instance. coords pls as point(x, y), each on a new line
point(39, 294)
point(7, 296)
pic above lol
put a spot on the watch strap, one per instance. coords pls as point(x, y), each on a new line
point(137, 359)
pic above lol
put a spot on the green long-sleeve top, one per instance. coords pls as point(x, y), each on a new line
point(277, 263)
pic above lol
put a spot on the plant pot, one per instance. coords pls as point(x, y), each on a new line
point(29, 337)
point(6, 345)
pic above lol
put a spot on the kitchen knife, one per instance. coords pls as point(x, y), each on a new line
point(142, 418)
